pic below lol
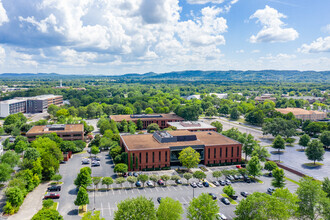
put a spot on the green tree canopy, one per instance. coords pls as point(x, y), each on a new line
point(304, 140)
point(82, 197)
point(189, 157)
point(153, 127)
point(83, 178)
point(199, 175)
point(325, 138)
point(10, 157)
point(315, 151)
point(5, 171)
point(278, 180)
point(49, 214)
point(90, 216)
point(270, 165)
point(107, 181)
point(120, 168)
point(278, 144)
point(254, 167)
point(229, 190)
point(218, 125)
point(202, 207)
point(169, 209)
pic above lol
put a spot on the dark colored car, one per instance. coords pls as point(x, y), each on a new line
point(54, 188)
point(193, 184)
point(159, 199)
point(214, 197)
point(178, 181)
point(63, 162)
point(216, 183)
point(135, 174)
point(270, 190)
point(245, 194)
point(206, 184)
point(125, 175)
point(138, 184)
point(243, 165)
point(222, 182)
point(130, 174)
point(225, 201)
point(160, 182)
point(52, 196)
point(270, 174)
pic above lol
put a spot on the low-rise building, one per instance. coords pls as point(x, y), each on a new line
point(192, 126)
point(68, 132)
point(12, 106)
point(162, 148)
point(147, 119)
point(310, 99)
point(303, 114)
point(264, 97)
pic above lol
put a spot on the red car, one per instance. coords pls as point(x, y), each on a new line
point(160, 182)
point(52, 196)
point(238, 166)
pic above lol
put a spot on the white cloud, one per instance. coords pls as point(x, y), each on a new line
point(320, 45)
point(255, 51)
point(2, 54)
point(3, 14)
point(43, 24)
point(326, 29)
point(273, 29)
point(240, 51)
point(200, 2)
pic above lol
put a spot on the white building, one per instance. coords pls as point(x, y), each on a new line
point(12, 106)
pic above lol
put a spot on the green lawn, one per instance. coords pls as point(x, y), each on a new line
point(291, 180)
point(230, 199)
point(317, 164)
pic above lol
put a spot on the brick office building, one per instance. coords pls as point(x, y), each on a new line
point(161, 149)
point(303, 114)
point(69, 132)
point(160, 119)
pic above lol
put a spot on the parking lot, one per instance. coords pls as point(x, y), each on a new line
point(106, 201)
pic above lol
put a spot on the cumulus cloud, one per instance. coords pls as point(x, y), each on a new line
point(326, 29)
point(317, 46)
point(3, 14)
point(2, 55)
point(200, 2)
point(273, 28)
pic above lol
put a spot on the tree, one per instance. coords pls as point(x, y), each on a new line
point(211, 111)
point(95, 150)
point(48, 203)
point(175, 178)
point(217, 174)
point(325, 138)
point(289, 199)
point(149, 110)
point(304, 140)
point(229, 190)
point(31, 154)
point(280, 126)
point(96, 180)
point(234, 114)
point(224, 110)
point(57, 177)
point(187, 176)
point(169, 209)
point(14, 196)
point(120, 168)
point(165, 178)
point(89, 216)
point(278, 180)
point(254, 167)
point(153, 127)
point(107, 181)
point(218, 125)
point(270, 165)
point(255, 117)
point(139, 124)
point(49, 214)
point(311, 197)
point(144, 209)
point(189, 157)
point(199, 175)
point(82, 197)
point(5, 171)
point(202, 207)
point(326, 186)
point(10, 157)
point(20, 147)
point(278, 144)
point(132, 180)
point(154, 178)
point(84, 177)
point(248, 144)
point(143, 178)
point(315, 151)
point(261, 152)
point(120, 180)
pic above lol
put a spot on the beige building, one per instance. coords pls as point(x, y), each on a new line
point(68, 132)
point(303, 114)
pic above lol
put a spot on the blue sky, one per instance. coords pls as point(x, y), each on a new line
point(138, 36)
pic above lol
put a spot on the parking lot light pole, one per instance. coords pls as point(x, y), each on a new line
point(193, 192)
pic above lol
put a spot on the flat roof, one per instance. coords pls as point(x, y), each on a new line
point(12, 101)
point(184, 125)
point(45, 129)
point(149, 117)
point(147, 141)
point(298, 111)
point(50, 96)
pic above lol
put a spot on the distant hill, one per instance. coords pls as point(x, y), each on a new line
point(193, 75)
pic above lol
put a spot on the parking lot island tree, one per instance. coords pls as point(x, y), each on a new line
point(48, 203)
point(96, 181)
point(254, 167)
point(82, 198)
point(200, 175)
point(202, 207)
point(131, 180)
point(278, 144)
point(165, 178)
point(120, 168)
point(143, 178)
point(169, 209)
point(84, 178)
point(289, 199)
point(50, 214)
point(175, 178)
point(95, 150)
point(120, 180)
point(270, 166)
point(187, 176)
point(217, 174)
point(325, 138)
point(136, 208)
point(92, 216)
point(154, 178)
point(56, 177)
point(304, 140)
point(315, 151)
point(108, 181)
point(278, 180)
point(229, 190)
point(261, 152)
point(189, 158)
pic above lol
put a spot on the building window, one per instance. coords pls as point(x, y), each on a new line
point(165, 156)
point(146, 157)
point(226, 151)
point(220, 152)
point(215, 153)
point(237, 151)
point(232, 151)
point(160, 156)
point(140, 157)
point(77, 135)
point(208, 153)
point(153, 157)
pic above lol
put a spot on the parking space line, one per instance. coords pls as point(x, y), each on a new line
point(101, 209)
point(113, 193)
point(126, 191)
point(169, 188)
point(144, 190)
point(109, 209)
point(184, 200)
point(163, 188)
point(119, 192)
point(157, 189)
point(132, 190)
point(175, 188)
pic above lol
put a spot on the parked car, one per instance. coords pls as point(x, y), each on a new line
point(206, 184)
point(246, 178)
point(222, 182)
point(220, 216)
point(236, 177)
point(178, 181)
point(238, 166)
point(240, 177)
point(193, 184)
point(243, 165)
point(130, 174)
point(135, 174)
point(200, 185)
point(85, 161)
point(230, 177)
point(96, 158)
point(159, 199)
point(216, 183)
point(52, 196)
point(149, 183)
point(96, 164)
point(214, 197)
point(63, 162)
point(270, 174)
point(161, 182)
point(54, 188)
point(228, 182)
point(270, 190)
point(245, 194)
point(124, 174)
point(138, 184)
point(225, 201)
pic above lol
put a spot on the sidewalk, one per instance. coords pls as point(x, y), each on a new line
point(32, 203)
